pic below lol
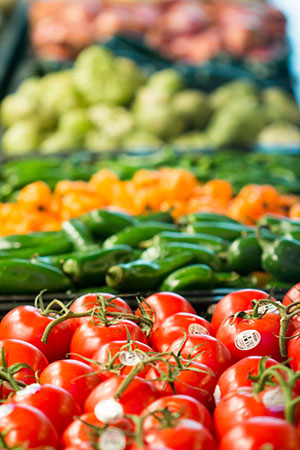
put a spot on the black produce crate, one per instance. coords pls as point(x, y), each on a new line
point(202, 301)
point(11, 41)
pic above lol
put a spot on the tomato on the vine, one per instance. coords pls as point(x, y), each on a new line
point(75, 377)
point(28, 324)
point(124, 355)
point(195, 380)
point(183, 434)
point(164, 304)
point(234, 302)
point(88, 301)
point(55, 402)
point(177, 326)
point(237, 406)
point(16, 351)
point(189, 407)
point(259, 433)
point(79, 432)
point(22, 423)
point(87, 430)
point(239, 374)
point(252, 336)
point(89, 337)
point(204, 349)
point(137, 395)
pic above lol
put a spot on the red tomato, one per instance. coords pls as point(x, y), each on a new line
point(78, 432)
point(294, 351)
point(197, 381)
point(56, 403)
point(177, 326)
point(163, 305)
point(75, 377)
point(83, 446)
point(28, 324)
point(88, 301)
point(23, 423)
point(189, 407)
point(237, 406)
point(234, 302)
point(237, 376)
point(88, 338)
point(251, 337)
point(139, 394)
point(293, 296)
point(17, 351)
point(185, 434)
point(128, 354)
point(260, 433)
point(207, 349)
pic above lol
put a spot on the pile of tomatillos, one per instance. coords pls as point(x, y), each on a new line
point(160, 378)
point(123, 253)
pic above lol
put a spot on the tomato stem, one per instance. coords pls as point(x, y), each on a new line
point(286, 383)
point(94, 313)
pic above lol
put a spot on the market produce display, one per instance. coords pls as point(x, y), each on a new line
point(279, 170)
point(188, 31)
point(107, 103)
point(161, 378)
point(143, 253)
point(168, 189)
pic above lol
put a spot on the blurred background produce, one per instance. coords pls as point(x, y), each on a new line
point(108, 103)
point(190, 31)
point(173, 190)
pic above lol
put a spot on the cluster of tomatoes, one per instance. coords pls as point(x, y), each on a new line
point(98, 376)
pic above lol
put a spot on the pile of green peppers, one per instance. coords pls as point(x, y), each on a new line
point(119, 253)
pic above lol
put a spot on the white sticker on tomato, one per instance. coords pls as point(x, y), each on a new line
point(217, 394)
point(268, 308)
point(109, 411)
point(28, 390)
point(5, 410)
point(246, 340)
point(273, 399)
point(131, 358)
point(112, 439)
point(195, 328)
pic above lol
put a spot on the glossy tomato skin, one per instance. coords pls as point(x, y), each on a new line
point(139, 394)
point(189, 407)
point(17, 351)
point(234, 302)
point(257, 432)
point(177, 326)
point(56, 403)
point(237, 406)
point(78, 433)
point(88, 301)
point(294, 351)
point(186, 434)
point(237, 375)
point(163, 305)
point(293, 296)
point(28, 324)
point(26, 424)
point(197, 381)
point(204, 349)
point(75, 377)
point(110, 350)
point(88, 338)
point(252, 337)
